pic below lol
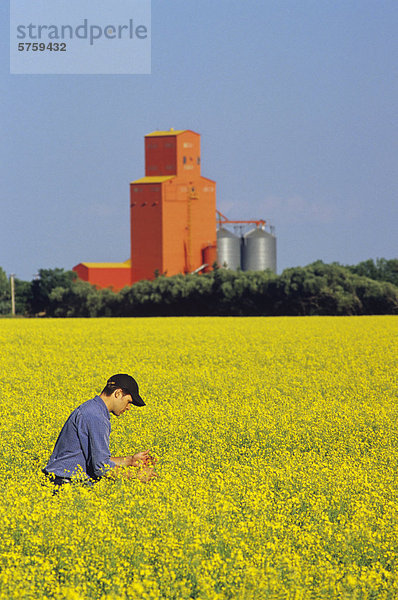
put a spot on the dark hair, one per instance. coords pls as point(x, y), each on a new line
point(109, 389)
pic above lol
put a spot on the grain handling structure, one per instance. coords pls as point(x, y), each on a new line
point(173, 221)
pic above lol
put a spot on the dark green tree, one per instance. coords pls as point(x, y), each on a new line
point(23, 291)
point(379, 270)
point(317, 289)
point(5, 294)
point(41, 288)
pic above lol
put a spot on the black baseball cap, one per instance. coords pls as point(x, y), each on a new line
point(128, 383)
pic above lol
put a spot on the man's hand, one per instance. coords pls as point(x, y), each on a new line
point(142, 461)
point(137, 460)
point(142, 458)
point(145, 474)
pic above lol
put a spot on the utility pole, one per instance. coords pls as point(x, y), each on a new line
point(12, 276)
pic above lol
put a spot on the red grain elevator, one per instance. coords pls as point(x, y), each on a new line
point(172, 208)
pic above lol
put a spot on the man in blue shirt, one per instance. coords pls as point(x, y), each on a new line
point(82, 448)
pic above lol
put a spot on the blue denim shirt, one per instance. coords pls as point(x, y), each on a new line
point(83, 444)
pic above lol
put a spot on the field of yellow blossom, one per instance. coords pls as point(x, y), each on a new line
point(277, 441)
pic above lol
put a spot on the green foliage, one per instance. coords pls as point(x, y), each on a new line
point(321, 289)
point(23, 290)
point(381, 270)
point(22, 295)
point(317, 289)
point(5, 294)
point(43, 286)
point(81, 299)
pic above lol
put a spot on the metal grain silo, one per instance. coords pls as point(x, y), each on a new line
point(228, 249)
point(258, 251)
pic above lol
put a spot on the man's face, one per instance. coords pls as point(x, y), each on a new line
point(121, 402)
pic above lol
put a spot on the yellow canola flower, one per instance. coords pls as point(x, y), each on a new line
point(277, 447)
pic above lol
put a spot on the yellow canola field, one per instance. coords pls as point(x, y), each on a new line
point(277, 445)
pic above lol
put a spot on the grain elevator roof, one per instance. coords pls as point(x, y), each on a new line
point(154, 179)
point(169, 132)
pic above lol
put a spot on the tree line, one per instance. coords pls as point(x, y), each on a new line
point(371, 287)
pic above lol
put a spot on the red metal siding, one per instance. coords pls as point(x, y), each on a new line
point(146, 230)
point(104, 277)
point(160, 156)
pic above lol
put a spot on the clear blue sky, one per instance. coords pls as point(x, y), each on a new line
point(296, 103)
